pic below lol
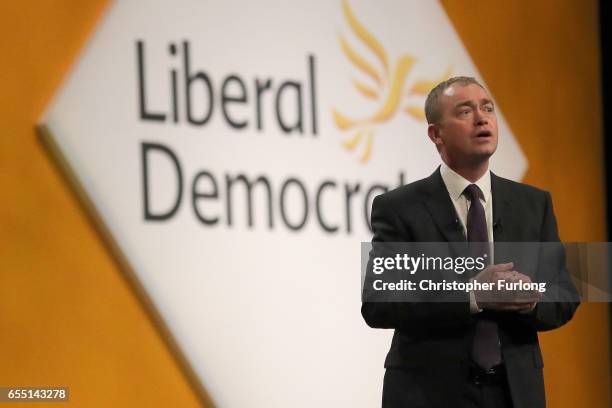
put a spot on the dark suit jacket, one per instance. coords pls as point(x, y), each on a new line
point(432, 341)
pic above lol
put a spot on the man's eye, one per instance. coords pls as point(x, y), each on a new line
point(489, 108)
point(464, 112)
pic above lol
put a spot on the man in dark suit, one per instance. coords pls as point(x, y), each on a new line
point(474, 352)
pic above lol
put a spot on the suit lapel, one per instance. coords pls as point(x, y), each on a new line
point(501, 210)
point(442, 210)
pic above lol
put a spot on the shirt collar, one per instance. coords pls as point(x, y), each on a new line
point(456, 184)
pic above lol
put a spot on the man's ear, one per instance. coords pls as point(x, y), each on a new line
point(433, 131)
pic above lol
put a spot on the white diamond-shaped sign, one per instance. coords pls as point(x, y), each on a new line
point(232, 150)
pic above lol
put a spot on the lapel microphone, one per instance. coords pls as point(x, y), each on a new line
point(457, 224)
point(497, 224)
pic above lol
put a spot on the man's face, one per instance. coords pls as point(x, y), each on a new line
point(467, 132)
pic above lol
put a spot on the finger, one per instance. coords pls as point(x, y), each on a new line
point(524, 299)
point(527, 295)
point(504, 275)
point(503, 267)
point(513, 276)
point(518, 308)
point(521, 276)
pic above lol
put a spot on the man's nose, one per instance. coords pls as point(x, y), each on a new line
point(480, 118)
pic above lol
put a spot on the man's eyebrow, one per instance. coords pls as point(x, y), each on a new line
point(464, 103)
point(470, 103)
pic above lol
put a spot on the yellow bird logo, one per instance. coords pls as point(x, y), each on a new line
point(388, 87)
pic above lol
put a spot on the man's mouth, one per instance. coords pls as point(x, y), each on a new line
point(484, 133)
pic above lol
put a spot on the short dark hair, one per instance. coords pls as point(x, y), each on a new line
point(432, 103)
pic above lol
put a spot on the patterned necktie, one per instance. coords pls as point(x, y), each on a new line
point(486, 350)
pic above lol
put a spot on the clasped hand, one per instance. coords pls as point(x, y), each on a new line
point(503, 299)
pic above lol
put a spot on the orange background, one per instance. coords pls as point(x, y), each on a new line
point(67, 315)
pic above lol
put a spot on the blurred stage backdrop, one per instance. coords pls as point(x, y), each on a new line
point(184, 225)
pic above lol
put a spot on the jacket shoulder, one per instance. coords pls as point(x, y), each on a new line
point(517, 189)
point(407, 194)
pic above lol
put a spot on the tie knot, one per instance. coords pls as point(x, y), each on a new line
point(473, 191)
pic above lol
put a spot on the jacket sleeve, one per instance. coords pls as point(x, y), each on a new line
point(406, 316)
point(561, 298)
